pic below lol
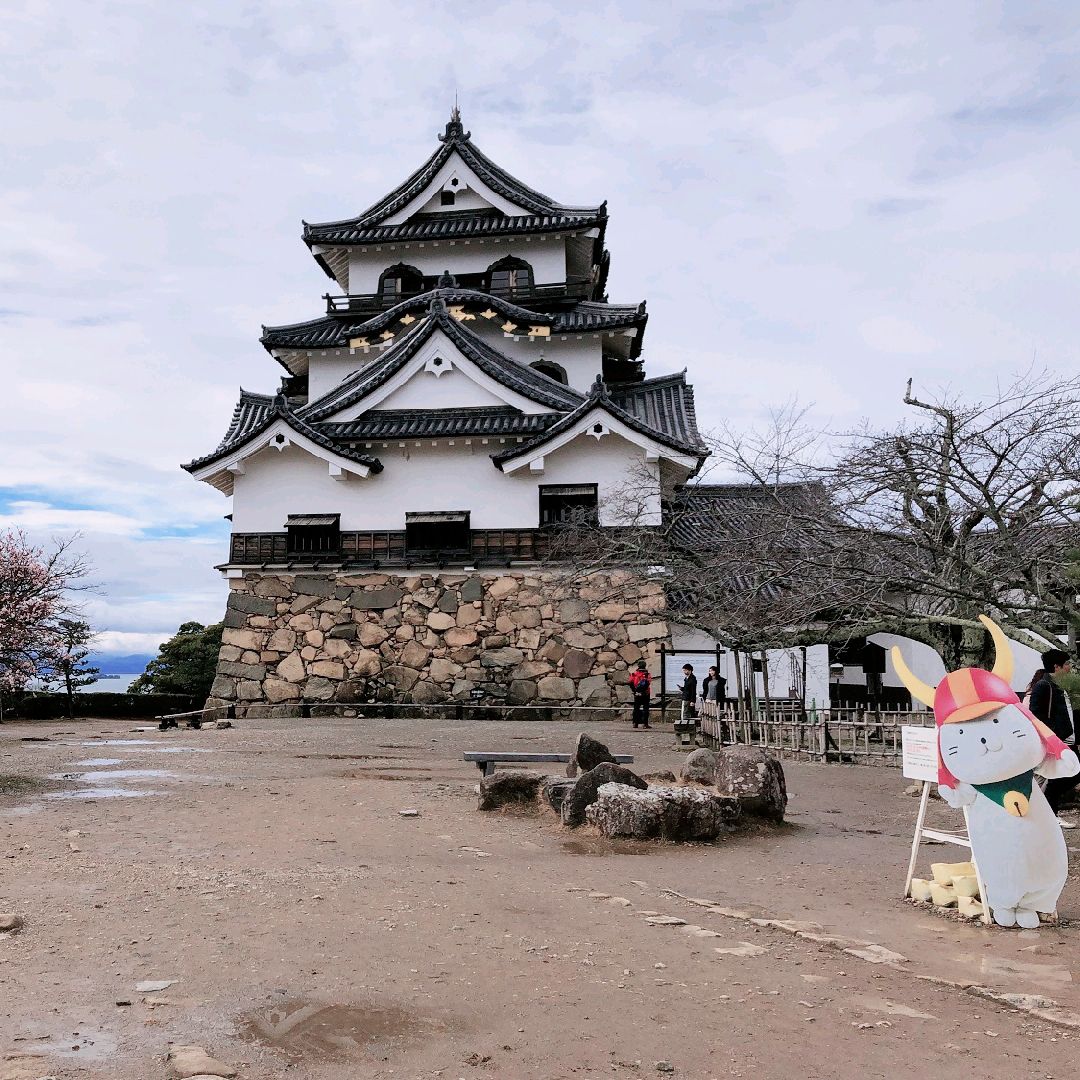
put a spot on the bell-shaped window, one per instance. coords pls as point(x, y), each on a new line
point(551, 370)
point(510, 277)
point(399, 282)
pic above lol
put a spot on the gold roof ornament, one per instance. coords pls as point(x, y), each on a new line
point(489, 314)
point(358, 343)
point(509, 327)
point(539, 331)
point(386, 335)
point(408, 320)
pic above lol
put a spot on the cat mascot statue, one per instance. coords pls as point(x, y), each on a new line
point(990, 748)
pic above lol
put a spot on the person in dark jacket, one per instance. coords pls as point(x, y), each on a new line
point(641, 686)
point(688, 693)
point(1050, 704)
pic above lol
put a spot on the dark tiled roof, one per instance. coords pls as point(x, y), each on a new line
point(600, 397)
point(518, 377)
point(439, 423)
point(663, 404)
point(250, 413)
point(708, 515)
point(455, 138)
point(335, 331)
point(255, 415)
point(449, 226)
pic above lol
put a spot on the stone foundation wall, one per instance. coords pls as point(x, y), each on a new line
point(523, 638)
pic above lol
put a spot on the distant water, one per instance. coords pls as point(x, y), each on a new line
point(110, 684)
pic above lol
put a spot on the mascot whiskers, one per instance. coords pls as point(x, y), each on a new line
point(990, 749)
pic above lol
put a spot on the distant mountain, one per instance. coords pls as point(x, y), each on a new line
point(111, 664)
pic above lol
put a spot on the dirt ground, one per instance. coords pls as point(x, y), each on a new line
point(310, 930)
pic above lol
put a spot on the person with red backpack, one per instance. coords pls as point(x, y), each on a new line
point(641, 685)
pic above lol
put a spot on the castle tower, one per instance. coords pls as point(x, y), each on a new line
point(468, 390)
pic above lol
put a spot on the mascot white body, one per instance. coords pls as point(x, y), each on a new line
point(990, 749)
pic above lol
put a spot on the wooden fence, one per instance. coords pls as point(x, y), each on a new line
point(856, 734)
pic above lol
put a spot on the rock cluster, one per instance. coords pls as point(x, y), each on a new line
point(665, 813)
point(519, 638)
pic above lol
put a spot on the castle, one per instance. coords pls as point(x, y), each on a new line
point(468, 392)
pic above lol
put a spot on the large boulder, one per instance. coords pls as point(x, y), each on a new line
point(509, 787)
point(588, 753)
point(584, 792)
point(753, 777)
point(555, 790)
point(700, 767)
point(665, 813)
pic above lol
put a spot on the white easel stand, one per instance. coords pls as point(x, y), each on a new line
point(948, 838)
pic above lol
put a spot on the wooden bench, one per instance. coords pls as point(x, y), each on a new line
point(486, 760)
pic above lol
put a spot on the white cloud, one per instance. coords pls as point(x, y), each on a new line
point(801, 192)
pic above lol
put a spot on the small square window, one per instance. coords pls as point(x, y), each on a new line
point(447, 198)
point(313, 534)
point(568, 504)
point(438, 532)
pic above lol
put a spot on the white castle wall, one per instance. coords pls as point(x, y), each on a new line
point(418, 478)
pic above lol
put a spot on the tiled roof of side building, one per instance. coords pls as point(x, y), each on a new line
point(439, 423)
point(705, 514)
point(509, 373)
point(256, 413)
point(335, 331)
point(664, 404)
point(454, 139)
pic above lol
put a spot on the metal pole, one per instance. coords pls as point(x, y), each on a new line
point(663, 683)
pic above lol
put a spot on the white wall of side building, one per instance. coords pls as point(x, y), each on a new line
point(546, 256)
point(425, 478)
point(928, 666)
point(698, 649)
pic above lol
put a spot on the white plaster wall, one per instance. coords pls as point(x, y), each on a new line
point(417, 478)
point(546, 256)
point(926, 665)
point(464, 199)
point(779, 662)
point(451, 390)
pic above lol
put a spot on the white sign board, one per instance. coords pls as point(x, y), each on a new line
point(920, 748)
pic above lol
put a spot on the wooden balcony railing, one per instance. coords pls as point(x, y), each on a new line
point(388, 548)
point(372, 303)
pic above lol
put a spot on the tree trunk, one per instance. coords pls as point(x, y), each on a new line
point(765, 680)
point(70, 695)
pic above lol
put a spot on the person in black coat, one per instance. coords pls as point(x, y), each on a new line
point(1050, 704)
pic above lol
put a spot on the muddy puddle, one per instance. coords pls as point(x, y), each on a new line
point(82, 1045)
point(108, 776)
point(102, 793)
point(99, 762)
point(299, 1029)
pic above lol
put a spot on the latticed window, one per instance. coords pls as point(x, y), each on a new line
point(438, 531)
point(313, 534)
point(568, 504)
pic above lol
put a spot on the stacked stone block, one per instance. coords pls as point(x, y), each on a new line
point(521, 638)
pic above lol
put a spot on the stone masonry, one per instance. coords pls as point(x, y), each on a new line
point(522, 638)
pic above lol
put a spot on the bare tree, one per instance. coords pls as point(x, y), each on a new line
point(968, 507)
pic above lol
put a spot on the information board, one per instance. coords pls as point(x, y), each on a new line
point(920, 753)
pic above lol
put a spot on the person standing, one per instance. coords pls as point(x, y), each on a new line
point(688, 693)
point(710, 687)
point(1050, 703)
point(641, 687)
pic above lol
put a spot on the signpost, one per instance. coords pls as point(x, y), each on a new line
point(920, 761)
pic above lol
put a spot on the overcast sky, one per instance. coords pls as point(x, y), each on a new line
point(817, 199)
